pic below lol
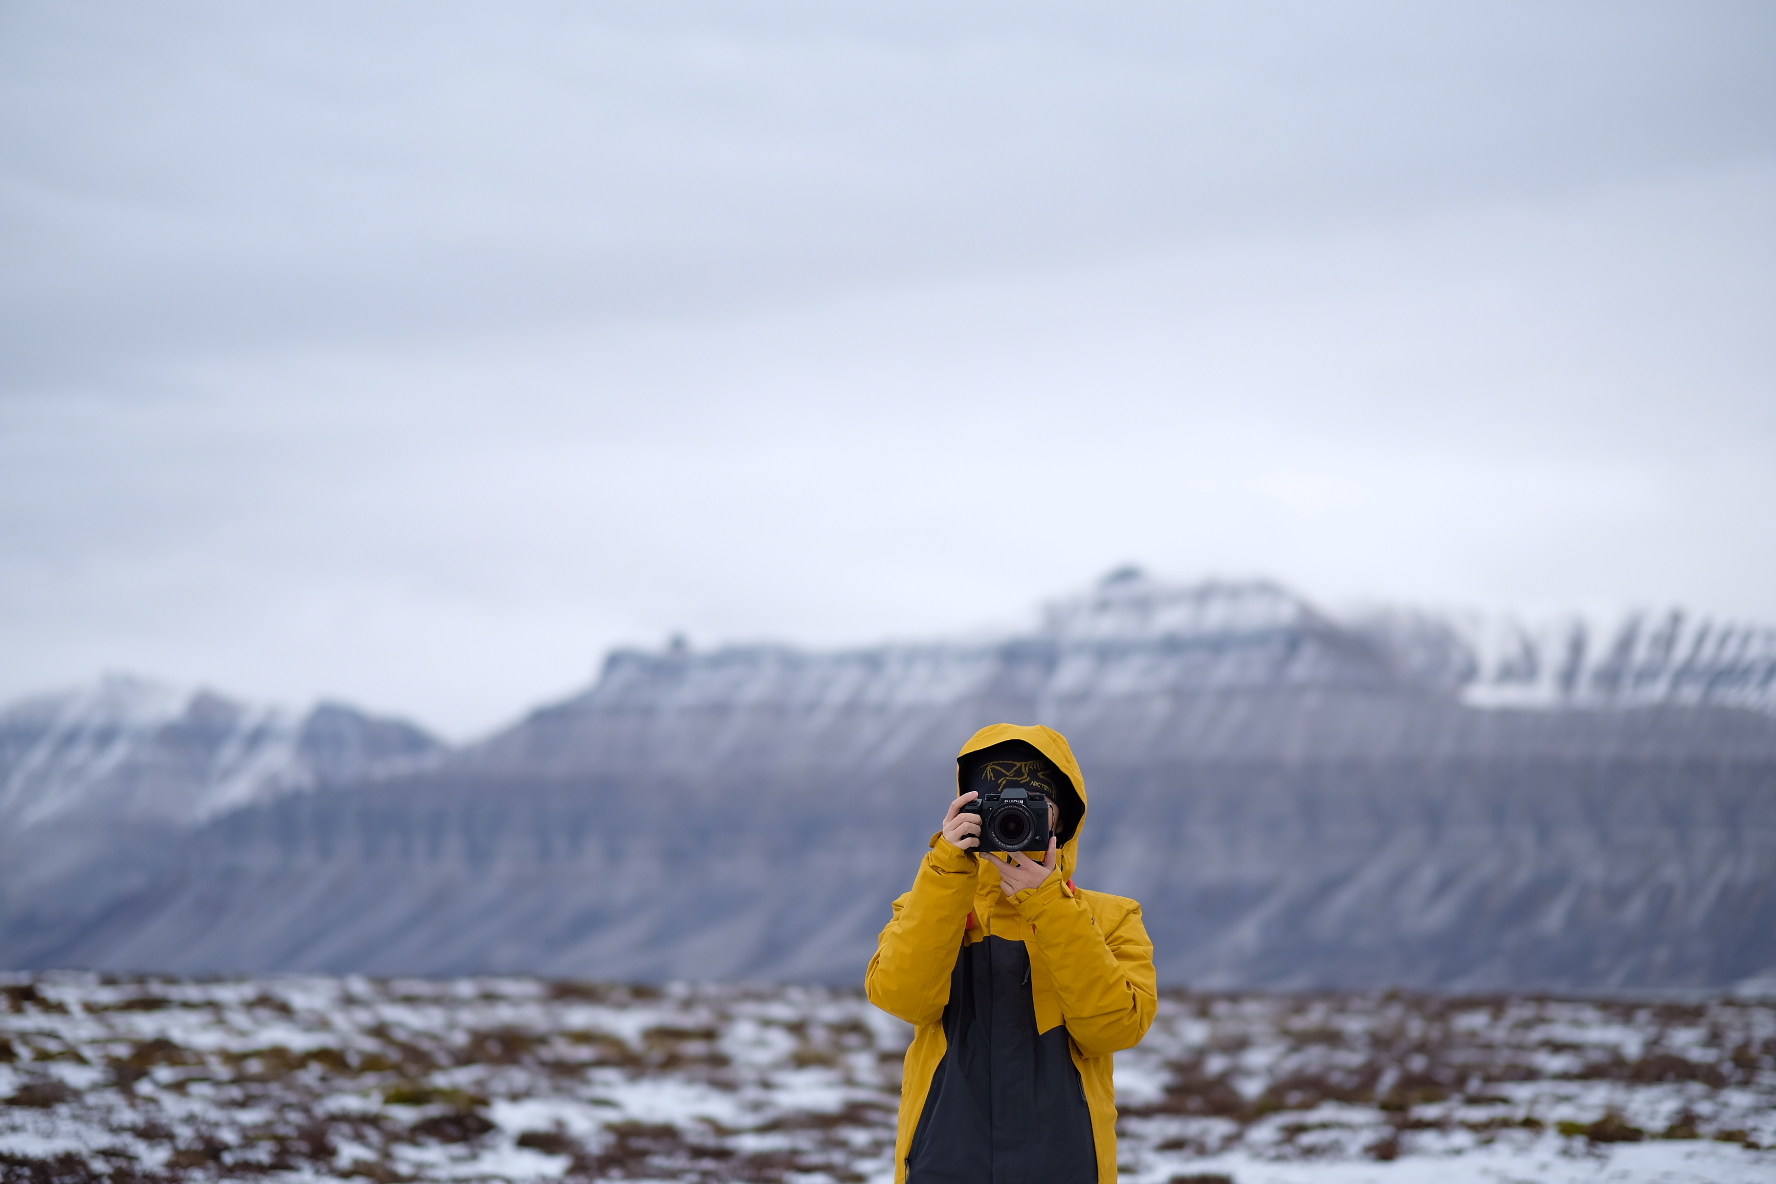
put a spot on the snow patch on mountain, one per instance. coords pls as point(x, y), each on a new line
point(1639, 658)
point(1634, 659)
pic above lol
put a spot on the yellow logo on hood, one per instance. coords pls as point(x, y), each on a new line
point(999, 774)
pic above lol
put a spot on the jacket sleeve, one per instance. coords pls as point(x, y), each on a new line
point(1106, 982)
point(910, 975)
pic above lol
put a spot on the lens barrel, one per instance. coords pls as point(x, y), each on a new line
point(1012, 826)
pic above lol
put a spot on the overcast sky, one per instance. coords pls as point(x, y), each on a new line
point(416, 354)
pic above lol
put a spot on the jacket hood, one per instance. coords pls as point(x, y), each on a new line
point(1050, 744)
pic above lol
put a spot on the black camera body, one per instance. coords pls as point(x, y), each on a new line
point(1013, 818)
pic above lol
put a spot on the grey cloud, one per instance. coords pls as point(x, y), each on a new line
point(194, 178)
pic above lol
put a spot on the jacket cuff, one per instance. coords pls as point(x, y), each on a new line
point(948, 856)
point(1032, 901)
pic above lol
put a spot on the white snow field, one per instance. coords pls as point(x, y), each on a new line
point(306, 1079)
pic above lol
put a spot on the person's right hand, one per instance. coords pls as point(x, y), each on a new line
point(959, 829)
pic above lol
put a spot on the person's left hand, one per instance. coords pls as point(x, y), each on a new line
point(1023, 872)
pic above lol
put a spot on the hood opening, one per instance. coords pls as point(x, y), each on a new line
point(1019, 762)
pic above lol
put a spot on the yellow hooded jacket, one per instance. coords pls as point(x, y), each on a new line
point(1089, 967)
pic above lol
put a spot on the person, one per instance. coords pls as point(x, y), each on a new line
point(1020, 987)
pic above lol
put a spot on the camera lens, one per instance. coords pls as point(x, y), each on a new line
point(1011, 826)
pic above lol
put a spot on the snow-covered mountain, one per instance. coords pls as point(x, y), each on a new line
point(1297, 799)
point(133, 748)
point(99, 785)
point(1129, 641)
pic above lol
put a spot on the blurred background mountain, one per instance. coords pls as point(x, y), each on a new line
point(1297, 801)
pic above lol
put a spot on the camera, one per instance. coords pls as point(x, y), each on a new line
point(1013, 818)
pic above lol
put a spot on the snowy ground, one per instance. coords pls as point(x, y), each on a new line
point(518, 1079)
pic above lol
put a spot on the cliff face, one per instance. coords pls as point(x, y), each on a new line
point(1296, 801)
